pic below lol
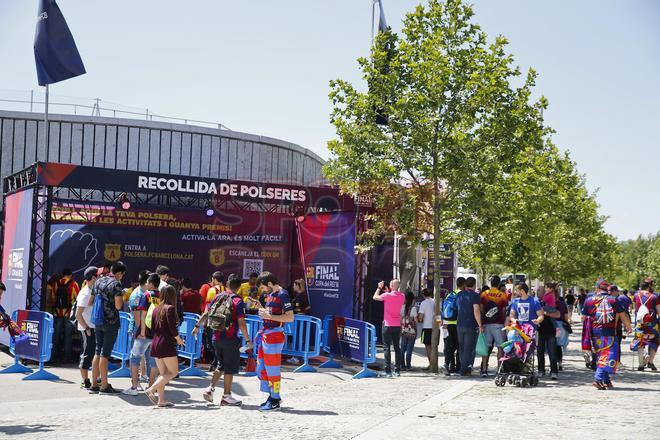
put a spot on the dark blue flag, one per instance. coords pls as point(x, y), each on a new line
point(55, 52)
point(382, 23)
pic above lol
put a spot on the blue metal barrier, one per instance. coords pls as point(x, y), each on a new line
point(254, 324)
point(331, 362)
point(45, 349)
point(305, 341)
point(371, 337)
point(369, 358)
point(192, 345)
point(122, 348)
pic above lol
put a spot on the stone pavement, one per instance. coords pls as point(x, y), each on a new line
point(332, 405)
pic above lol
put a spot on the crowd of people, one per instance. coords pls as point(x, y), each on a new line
point(156, 303)
point(469, 313)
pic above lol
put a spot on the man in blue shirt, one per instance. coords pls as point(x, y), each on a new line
point(468, 324)
point(525, 308)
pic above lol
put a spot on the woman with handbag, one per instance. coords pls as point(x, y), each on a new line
point(408, 329)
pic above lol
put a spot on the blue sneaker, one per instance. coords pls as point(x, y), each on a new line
point(270, 405)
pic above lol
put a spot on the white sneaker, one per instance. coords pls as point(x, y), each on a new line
point(293, 360)
point(208, 395)
point(130, 392)
point(230, 401)
point(144, 379)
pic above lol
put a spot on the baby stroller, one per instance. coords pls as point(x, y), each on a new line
point(517, 364)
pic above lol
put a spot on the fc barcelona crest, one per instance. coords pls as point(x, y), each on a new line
point(217, 257)
point(112, 252)
point(309, 275)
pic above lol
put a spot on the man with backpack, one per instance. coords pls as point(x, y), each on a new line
point(449, 320)
point(604, 310)
point(647, 305)
point(494, 303)
point(468, 324)
point(216, 287)
point(65, 296)
point(108, 301)
point(225, 316)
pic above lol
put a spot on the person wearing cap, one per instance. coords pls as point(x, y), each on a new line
point(86, 329)
point(602, 311)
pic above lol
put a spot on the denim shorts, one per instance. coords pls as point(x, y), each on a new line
point(106, 335)
point(142, 347)
point(494, 335)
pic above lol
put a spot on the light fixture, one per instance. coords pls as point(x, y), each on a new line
point(124, 202)
point(208, 210)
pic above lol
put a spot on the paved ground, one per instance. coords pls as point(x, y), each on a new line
point(334, 406)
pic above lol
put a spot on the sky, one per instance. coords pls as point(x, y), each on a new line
point(263, 67)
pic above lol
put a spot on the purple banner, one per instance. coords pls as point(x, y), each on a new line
point(16, 252)
point(327, 247)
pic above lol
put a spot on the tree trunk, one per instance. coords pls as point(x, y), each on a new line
point(435, 339)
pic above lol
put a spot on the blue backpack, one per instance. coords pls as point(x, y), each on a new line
point(450, 307)
point(98, 316)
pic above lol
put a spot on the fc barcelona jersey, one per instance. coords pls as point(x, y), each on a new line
point(277, 303)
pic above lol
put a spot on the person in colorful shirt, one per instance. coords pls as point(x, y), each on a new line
point(494, 304)
point(603, 310)
point(138, 304)
point(227, 343)
point(647, 331)
point(270, 340)
point(65, 297)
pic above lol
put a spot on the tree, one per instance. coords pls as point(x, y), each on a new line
point(455, 125)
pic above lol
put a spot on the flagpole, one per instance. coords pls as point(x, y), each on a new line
point(47, 131)
point(373, 18)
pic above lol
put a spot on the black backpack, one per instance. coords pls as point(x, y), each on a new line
point(63, 295)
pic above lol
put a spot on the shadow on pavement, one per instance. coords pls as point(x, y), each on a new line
point(293, 411)
point(25, 429)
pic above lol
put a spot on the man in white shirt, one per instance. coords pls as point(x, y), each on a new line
point(425, 316)
point(86, 329)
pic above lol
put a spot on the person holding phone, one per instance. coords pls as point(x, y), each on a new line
point(392, 302)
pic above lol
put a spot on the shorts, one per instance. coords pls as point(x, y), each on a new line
point(142, 347)
point(227, 354)
point(494, 334)
point(87, 349)
point(106, 335)
point(427, 336)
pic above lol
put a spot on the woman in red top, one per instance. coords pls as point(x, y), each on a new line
point(163, 348)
